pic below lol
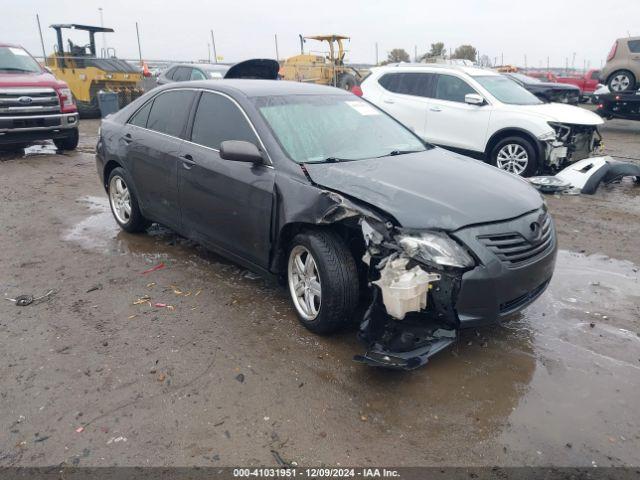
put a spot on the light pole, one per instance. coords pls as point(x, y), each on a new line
point(104, 37)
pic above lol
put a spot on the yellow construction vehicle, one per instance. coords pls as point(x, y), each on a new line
point(86, 74)
point(322, 68)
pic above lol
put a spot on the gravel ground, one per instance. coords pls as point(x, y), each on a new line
point(98, 375)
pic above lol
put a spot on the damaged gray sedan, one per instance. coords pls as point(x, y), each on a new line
point(360, 218)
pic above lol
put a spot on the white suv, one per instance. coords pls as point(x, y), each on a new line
point(483, 114)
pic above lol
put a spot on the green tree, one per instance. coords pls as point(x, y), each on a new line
point(398, 55)
point(437, 50)
point(465, 52)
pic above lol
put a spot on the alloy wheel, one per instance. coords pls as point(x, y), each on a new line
point(513, 158)
point(120, 199)
point(304, 282)
point(620, 82)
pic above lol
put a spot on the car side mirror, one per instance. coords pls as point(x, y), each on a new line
point(473, 99)
point(239, 151)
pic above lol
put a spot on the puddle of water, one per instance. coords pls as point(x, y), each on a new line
point(566, 370)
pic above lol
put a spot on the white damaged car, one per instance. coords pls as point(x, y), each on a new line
point(483, 114)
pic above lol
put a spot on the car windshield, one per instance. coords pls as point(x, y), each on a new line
point(506, 90)
point(15, 59)
point(330, 128)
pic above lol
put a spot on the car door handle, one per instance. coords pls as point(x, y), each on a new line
point(187, 161)
point(388, 101)
point(435, 109)
point(127, 138)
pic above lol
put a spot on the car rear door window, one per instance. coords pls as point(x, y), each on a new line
point(218, 119)
point(171, 72)
point(197, 74)
point(634, 46)
point(416, 84)
point(595, 75)
point(169, 112)
point(182, 74)
point(452, 88)
point(139, 119)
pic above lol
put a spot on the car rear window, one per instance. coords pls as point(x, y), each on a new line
point(415, 83)
point(218, 119)
point(634, 46)
point(169, 112)
point(182, 74)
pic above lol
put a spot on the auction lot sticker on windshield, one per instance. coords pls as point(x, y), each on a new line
point(17, 51)
point(363, 108)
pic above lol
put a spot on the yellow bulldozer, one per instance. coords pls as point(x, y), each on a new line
point(86, 74)
point(324, 68)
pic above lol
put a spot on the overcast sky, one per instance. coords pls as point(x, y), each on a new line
point(243, 29)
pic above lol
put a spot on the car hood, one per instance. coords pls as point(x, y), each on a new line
point(561, 113)
point(432, 189)
point(29, 80)
point(553, 85)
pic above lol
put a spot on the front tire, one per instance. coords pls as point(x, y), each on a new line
point(323, 281)
point(68, 143)
point(622, 81)
point(124, 203)
point(515, 155)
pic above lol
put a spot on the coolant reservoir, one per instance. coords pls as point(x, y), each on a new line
point(404, 290)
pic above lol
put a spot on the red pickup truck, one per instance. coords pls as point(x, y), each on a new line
point(34, 105)
point(587, 83)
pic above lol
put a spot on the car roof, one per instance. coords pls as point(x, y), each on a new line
point(629, 38)
point(261, 88)
point(205, 66)
point(440, 67)
point(2, 44)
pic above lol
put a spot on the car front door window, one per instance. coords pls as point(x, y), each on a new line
point(225, 203)
point(452, 89)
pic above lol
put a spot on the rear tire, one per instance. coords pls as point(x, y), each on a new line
point(515, 155)
point(89, 109)
point(124, 203)
point(68, 143)
point(621, 81)
point(346, 81)
point(330, 281)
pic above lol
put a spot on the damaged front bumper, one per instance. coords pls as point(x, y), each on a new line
point(417, 307)
point(570, 143)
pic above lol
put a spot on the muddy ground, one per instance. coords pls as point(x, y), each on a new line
point(96, 375)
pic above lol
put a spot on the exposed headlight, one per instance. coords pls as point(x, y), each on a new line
point(435, 247)
point(547, 137)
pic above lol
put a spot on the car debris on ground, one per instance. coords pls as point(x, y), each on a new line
point(24, 300)
point(585, 176)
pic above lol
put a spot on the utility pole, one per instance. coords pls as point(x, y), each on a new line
point(547, 63)
point(277, 54)
point(376, 53)
point(525, 61)
point(139, 48)
point(415, 53)
point(209, 52)
point(104, 37)
point(213, 44)
point(44, 52)
point(502, 58)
